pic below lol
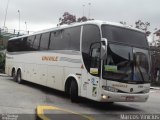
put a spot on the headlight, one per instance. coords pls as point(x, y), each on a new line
point(146, 91)
point(108, 88)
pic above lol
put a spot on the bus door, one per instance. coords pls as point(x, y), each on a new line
point(91, 76)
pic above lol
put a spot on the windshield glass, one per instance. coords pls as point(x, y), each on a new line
point(126, 64)
point(125, 36)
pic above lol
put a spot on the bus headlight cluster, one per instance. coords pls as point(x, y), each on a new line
point(146, 91)
point(111, 89)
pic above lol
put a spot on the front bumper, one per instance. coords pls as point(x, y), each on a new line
point(107, 96)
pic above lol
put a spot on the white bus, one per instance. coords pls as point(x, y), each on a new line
point(98, 60)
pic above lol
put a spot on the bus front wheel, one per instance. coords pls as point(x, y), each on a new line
point(74, 91)
point(18, 78)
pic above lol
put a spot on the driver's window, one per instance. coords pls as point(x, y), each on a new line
point(95, 58)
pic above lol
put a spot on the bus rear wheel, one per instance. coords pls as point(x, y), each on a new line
point(74, 91)
point(14, 74)
point(18, 77)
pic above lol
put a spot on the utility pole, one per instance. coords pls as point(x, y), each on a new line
point(6, 11)
point(89, 12)
point(26, 26)
point(19, 20)
point(83, 8)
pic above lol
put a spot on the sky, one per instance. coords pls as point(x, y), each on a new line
point(43, 14)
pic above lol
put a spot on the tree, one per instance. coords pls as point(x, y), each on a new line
point(155, 55)
point(123, 22)
point(157, 35)
point(67, 18)
point(155, 58)
point(143, 26)
point(82, 19)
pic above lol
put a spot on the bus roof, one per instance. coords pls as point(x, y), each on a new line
point(95, 22)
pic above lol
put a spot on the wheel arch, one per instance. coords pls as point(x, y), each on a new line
point(68, 82)
point(19, 69)
point(13, 69)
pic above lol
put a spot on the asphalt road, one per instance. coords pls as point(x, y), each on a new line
point(22, 100)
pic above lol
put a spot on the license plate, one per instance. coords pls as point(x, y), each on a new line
point(130, 98)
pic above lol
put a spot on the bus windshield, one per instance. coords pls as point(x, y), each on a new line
point(126, 63)
point(125, 36)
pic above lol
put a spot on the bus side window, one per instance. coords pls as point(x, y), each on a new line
point(15, 45)
point(44, 41)
point(65, 39)
point(56, 40)
point(91, 35)
point(30, 41)
point(72, 38)
point(95, 58)
point(36, 42)
point(95, 55)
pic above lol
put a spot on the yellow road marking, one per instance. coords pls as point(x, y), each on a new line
point(40, 112)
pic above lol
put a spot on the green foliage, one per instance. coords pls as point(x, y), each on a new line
point(68, 18)
point(2, 60)
point(155, 58)
point(143, 26)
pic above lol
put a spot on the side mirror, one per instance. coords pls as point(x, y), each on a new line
point(104, 43)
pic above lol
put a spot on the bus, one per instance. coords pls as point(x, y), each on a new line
point(97, 60)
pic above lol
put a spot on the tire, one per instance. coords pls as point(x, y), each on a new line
point(14, 74)
point(18, 77)
point(74, 91)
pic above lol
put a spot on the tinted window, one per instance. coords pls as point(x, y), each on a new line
point(44, 41)
point(15, 45)
point(124, 35)
point(36, 42)
point(67, 39)
point(126, 64)
point(117, 65)
point(95, 59)
point(72, 36)
point(56, 40)
point(91, 34)
point(24, 45)
point(30, 42)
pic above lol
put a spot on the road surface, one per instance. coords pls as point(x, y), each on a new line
point(22, 100)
